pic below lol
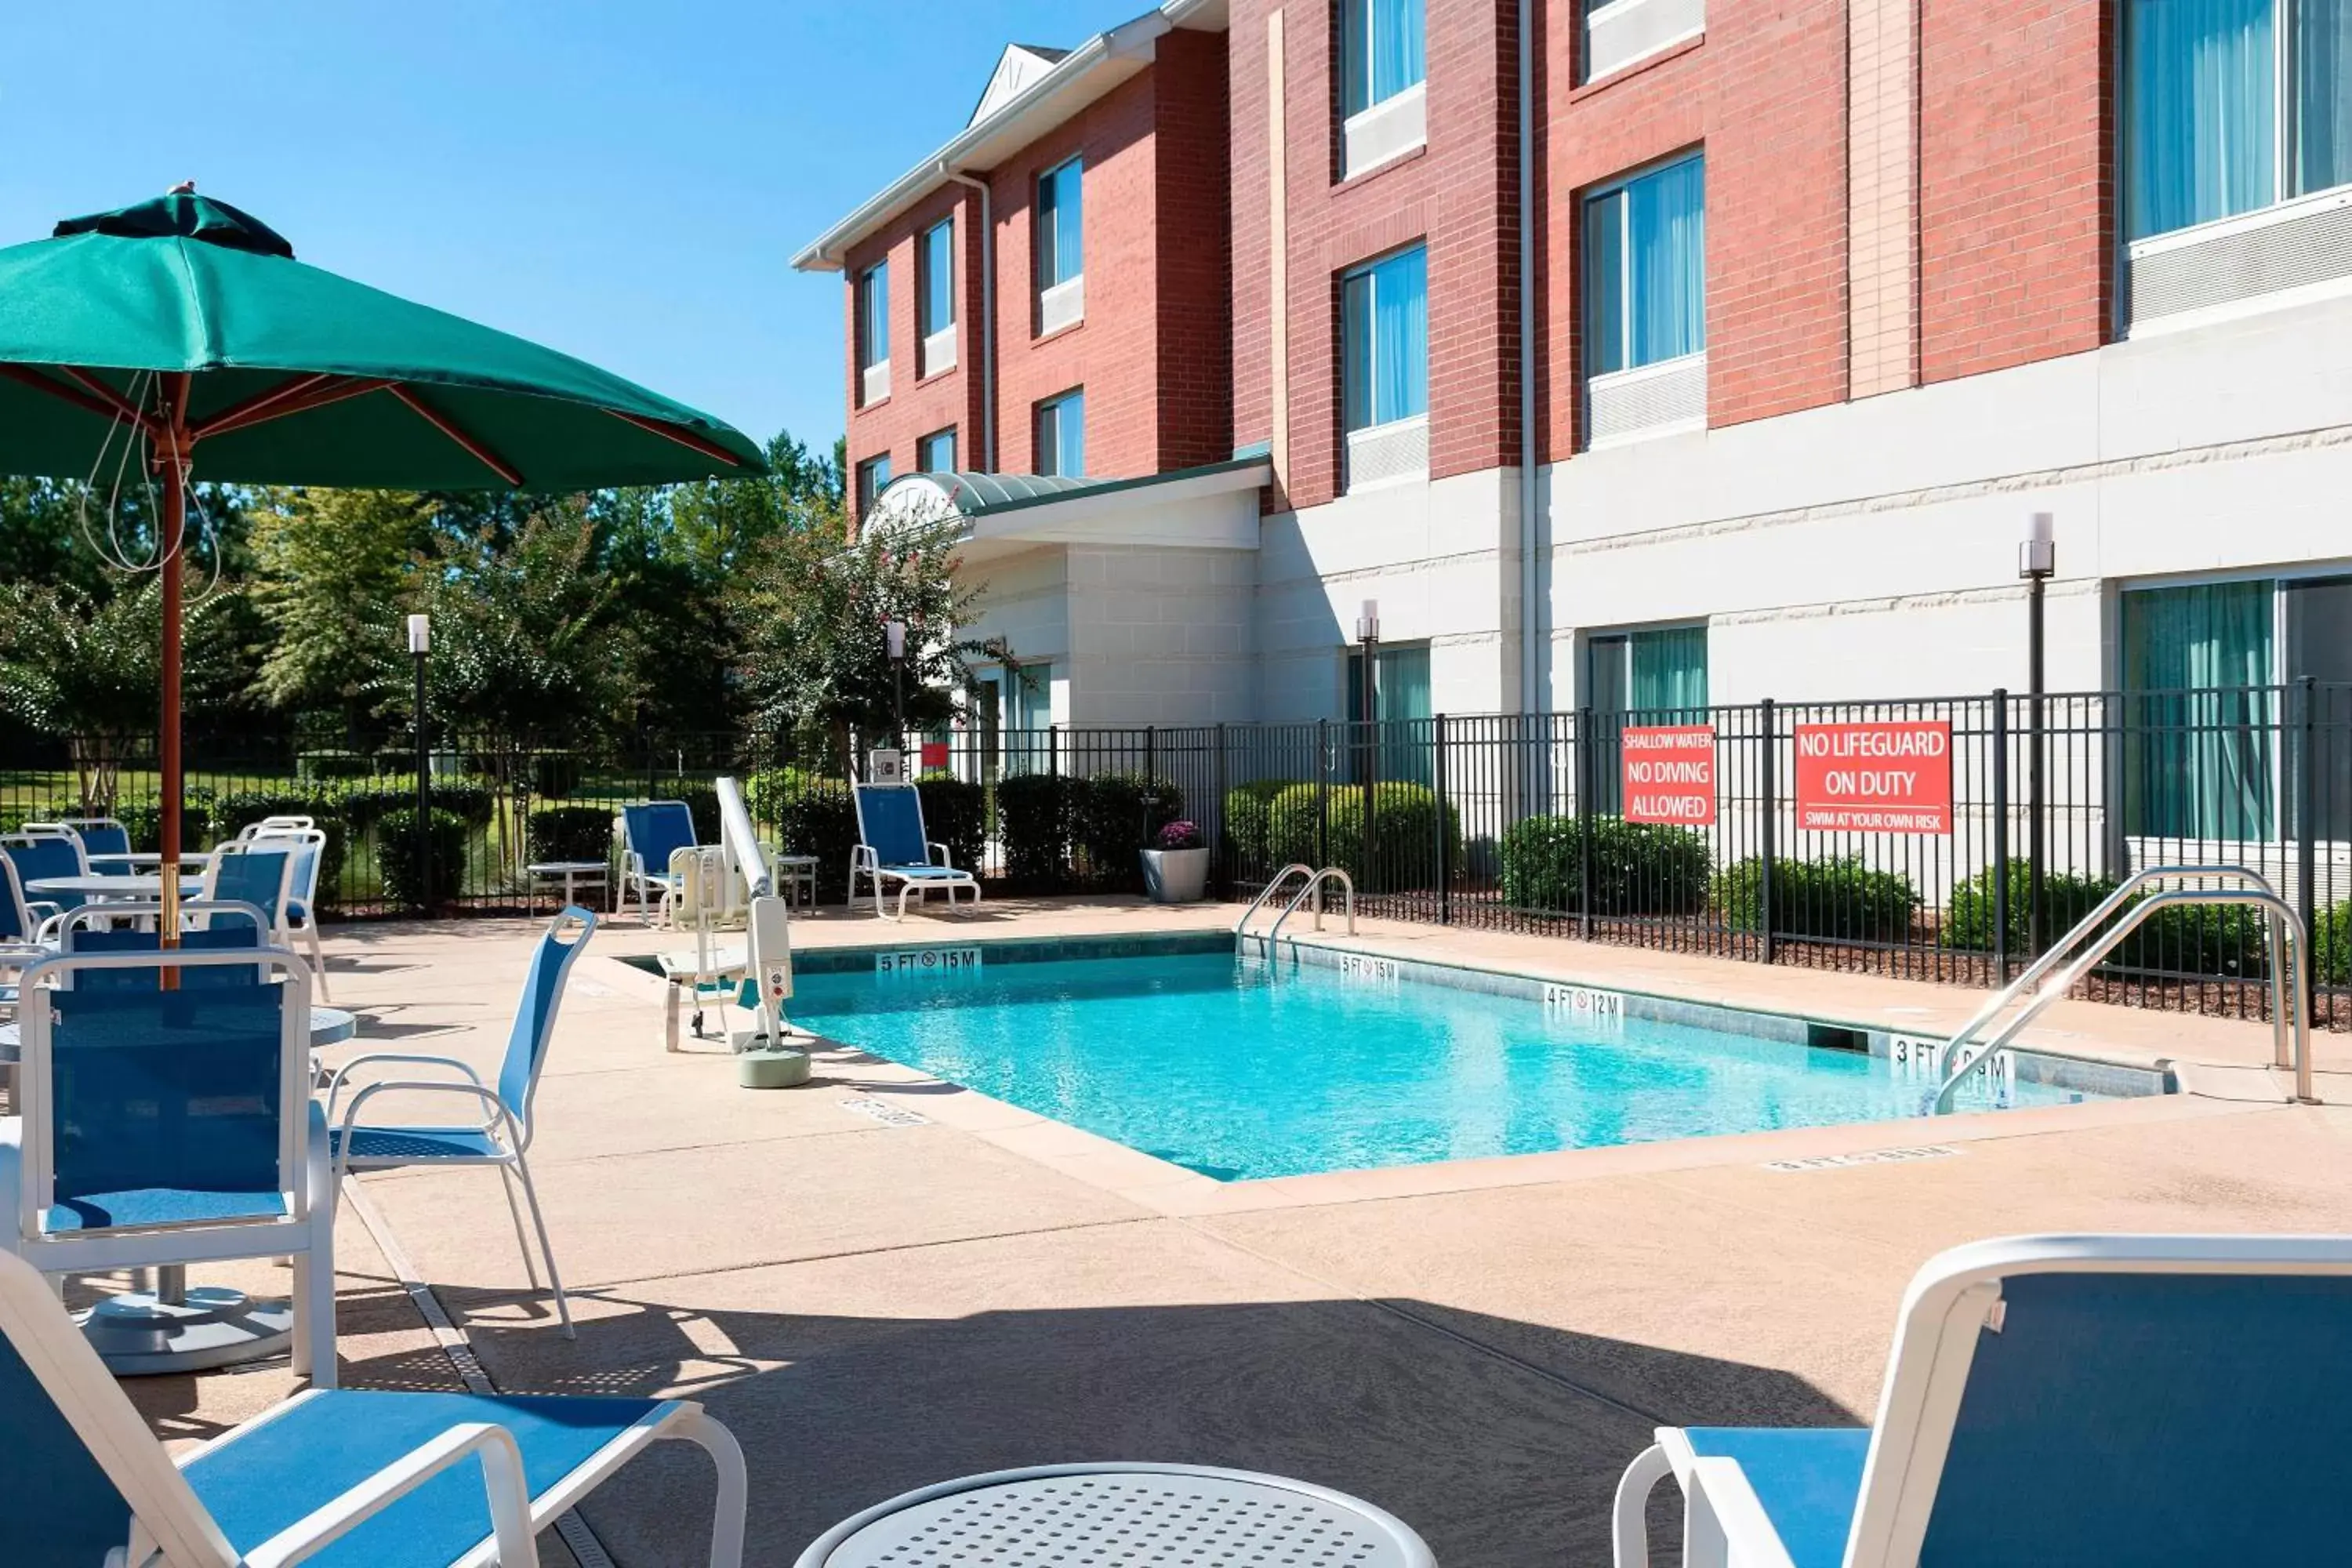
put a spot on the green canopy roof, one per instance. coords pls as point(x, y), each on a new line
point(363, 389)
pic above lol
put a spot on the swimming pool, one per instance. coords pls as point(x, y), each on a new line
point(1238, 1072)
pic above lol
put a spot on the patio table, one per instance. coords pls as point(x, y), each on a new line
point(97, 889)
point(1120, 1512)
point(135, 858)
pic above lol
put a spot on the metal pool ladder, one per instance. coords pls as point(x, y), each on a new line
point(1312, 887)
point(2087, 945)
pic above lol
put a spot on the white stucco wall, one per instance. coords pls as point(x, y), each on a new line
point(1161, 635)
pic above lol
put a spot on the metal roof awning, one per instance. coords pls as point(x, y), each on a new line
point(1213, 506)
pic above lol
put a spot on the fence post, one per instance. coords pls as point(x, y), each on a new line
point(1322, 793)
point(1770, 835)
point(2306, 870)
point(1584, 781)
point(1444, 839)
point(1151, 751)
point(1220, 858)
point(2001, 836)
point(2037, 852)
point(424, 801)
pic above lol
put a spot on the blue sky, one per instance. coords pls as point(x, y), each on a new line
point(627, 181)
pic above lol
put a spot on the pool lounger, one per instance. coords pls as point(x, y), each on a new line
point(892, 847)
point(2056, 1400)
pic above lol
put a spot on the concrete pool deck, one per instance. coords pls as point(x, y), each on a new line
point(1478, 1347)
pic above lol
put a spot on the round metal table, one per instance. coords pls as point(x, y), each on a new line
point(176, 1328)
point(136, 858)
point(97, 889)
point(1150, 1515)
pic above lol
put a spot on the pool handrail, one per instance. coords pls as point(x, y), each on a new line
point(1314, 887)
point(2289, 941)
point(1273, 886)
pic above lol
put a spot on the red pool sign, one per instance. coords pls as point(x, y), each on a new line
point(1668, 772)
point(1892, 777)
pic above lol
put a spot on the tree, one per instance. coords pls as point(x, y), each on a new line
point(90, 669)
point(334, 567)
point(817, 659)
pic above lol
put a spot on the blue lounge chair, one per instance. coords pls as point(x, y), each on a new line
point(503, 1131)
point(893, 847)
point(344, 1479)
point(168, 1126)
point(2102, 1399)
point(650, 834)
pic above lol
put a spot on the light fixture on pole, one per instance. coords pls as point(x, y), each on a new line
point(895, 632)
point(420, 643)
point(2037, 562)
point(1368, 633)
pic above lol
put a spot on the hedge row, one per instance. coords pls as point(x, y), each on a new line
point(1059, 830)
point(1272, 822)
point(809, 814)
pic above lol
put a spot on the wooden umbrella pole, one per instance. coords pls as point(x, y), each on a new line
point(169, 452)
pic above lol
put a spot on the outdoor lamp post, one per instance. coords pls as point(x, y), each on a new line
point(1368, 633)
point(2037, 562)
point(420, 643)
point(895, 631)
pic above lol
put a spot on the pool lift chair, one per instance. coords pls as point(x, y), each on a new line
point(719, 888)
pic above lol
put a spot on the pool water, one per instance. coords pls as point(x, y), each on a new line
point(1240, 1073)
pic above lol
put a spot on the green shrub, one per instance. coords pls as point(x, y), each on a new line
point(2066, 898)
point(401, 864)
point(313, 767)
point(1403, 851)
point(239, 809)
point(1249, 824)
point(144, 820)
point(1638, 867)
point(1841, 900)
point(2331, 945)
point(806, 816)
point(570, 832)
point(1033, 814)
point(702, 804)
point(1113, 816)
point(362, 806)
point(955, 814)
point(555, 774)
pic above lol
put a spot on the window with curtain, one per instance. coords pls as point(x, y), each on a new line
point(874, 315)
point(2230, 106)
point(873, 476)
point(937, 299)
point(1645, 269)
point(1061, 223)
point(1062, 435)
point(2199, 714)
point(1640, 678)
point(936, 453)
point(1399, 699)
point(1381, 51)
point(1384, 350)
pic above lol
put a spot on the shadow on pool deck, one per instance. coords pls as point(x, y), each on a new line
point(1496, 1462)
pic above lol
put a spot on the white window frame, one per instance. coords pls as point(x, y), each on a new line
point(872, 294)
point(939, 337)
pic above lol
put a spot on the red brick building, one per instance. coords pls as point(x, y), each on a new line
point(1801, 305)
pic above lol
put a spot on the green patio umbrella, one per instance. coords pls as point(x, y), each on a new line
point(187, 328)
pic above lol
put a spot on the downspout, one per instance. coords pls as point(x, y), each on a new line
point(1531, 645)
point(986, 461)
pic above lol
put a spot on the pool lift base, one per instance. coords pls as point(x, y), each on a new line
point(768, 1055)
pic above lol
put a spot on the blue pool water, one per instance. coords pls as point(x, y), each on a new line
point(1239, 1074)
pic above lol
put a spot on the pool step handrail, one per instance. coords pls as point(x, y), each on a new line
point(1314, 889)
point(2085, 946)
point(1273, 886)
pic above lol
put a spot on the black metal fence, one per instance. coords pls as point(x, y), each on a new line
point(1499, 822)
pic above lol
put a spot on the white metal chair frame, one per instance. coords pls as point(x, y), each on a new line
point(306, 894)
point(305, 1233)
point(508, 1127)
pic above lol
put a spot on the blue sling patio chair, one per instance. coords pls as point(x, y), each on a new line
point(501, 1133)
point(24, 921)
point(893, 847)
point(2095, 1399)
point(35, 856)
point(335, 1478)
point(163, 1127)
point(650, 834)
point(101, 836)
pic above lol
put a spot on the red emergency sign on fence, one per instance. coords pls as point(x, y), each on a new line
point(935, 756)
point(1669, 774)
point(1893, 777)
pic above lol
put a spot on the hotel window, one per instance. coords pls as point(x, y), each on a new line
point(1062, 434)
point(2211, 676)
point(1645, 303)
point(1384, 364)
point(1400, 696)
point(2231, 105)
point(935, 296)
point(936, 453)
point(874, 333)
point(873, 477)
point(1061, 246)
point(1656, 677)
point(1383, 91)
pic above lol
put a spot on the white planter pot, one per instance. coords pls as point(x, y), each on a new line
point(1175, 876)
